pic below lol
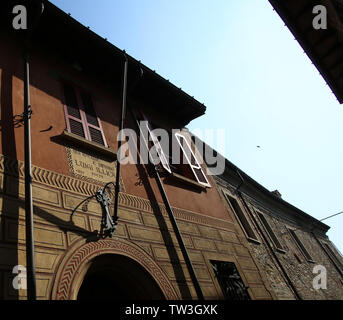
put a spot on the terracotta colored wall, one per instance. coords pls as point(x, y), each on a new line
point(143, 232)
point(48, 111)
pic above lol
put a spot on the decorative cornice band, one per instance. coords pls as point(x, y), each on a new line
point(70, 184)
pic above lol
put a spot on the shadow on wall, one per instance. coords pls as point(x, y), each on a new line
point(9, 192)
point(143, 179)
point(9, 209)
point(9, 222)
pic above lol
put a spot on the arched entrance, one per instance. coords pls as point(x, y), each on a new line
point(117, 277)
point(106, 264)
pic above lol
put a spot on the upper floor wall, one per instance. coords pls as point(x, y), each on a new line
point(52, 149)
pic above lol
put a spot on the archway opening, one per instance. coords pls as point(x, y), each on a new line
point(117, 277)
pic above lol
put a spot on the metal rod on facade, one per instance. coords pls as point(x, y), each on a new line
point(179, 238)
point(334, 215)
point(36, 9)
point(30, 260)
point(172, 219)
point(121, 126)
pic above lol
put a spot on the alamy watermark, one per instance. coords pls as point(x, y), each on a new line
point(320, 21)
point(158, 146)
point(19, 281)
point(20, 20)
point(319, 281)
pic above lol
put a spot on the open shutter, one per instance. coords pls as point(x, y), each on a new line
point(192, 161)
point(158, 147)
point(73, 115)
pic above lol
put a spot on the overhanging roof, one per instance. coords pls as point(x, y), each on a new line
point(324, 46)
point(60, 33)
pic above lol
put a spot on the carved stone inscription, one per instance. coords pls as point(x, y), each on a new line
point(84, 165)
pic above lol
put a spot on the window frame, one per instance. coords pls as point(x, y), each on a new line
point(333, 256)
point(162, 156)
point(270, 232)
point(225, 258)
point(300, 245)
point(253, 234)
point(165, 157)
point(189, 163)
point(78, 91)
point(221, 284)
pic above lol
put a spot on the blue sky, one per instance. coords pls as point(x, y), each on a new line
point(239, 59)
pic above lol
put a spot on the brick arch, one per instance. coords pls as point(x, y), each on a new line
point(76, 262)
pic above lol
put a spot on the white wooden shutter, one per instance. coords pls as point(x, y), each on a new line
point(192, 161)
point(160, 152)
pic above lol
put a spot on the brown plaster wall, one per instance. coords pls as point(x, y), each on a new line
point(208, 230)
point(140, 224)
point(46, 101)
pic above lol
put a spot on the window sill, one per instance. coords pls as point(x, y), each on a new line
point(89, 145)
point(253, 240)
point(190, 182)
point(280, 250)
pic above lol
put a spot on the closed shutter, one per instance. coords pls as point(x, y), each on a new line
point(71, 101)
point(81, 116)
point(94, 129)
point(75, 124)
point(89, 109)
point(76, 127)
point(96, 135)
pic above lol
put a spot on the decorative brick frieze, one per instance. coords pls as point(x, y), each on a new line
point(77, 257)
point(143, 233)
point(71, 186)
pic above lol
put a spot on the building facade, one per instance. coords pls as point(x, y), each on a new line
point(76, 91)
point(177, 236)
point(297, 257)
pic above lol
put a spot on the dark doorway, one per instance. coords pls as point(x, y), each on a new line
point(117, 277)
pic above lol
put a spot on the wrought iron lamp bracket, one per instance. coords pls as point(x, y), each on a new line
point(108, 226)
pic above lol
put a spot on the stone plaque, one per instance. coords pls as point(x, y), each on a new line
point(86, 166)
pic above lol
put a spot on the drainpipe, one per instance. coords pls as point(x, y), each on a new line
point(172, 219)
point(121, 126)
point(29, 225)
point(290, 283)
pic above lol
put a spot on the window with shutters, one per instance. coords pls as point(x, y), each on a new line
point(187, 165)
point(80, 114)
point(192, 168)
point(160, 153)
